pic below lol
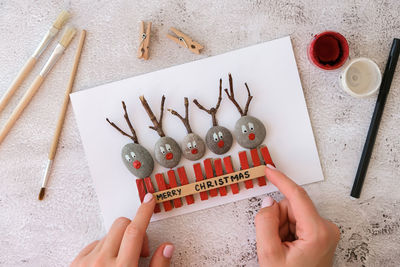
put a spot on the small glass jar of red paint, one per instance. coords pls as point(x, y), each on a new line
point(328, 50)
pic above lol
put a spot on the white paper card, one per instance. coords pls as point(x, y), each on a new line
point(271, 73)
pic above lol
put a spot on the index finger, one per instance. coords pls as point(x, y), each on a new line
point(132, 242)
point(302, 206)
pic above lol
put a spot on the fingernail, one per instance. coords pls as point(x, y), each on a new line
point(148, 197)
point(168, 251)
point(271, 167)
point(267, 202)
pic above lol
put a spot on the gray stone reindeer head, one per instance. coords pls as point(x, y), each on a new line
point(218, 138)
point(193, 147)
point(249, 131)
point(135, 157)
point(166, 150)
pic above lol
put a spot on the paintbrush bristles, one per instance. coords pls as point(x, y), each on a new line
point(69, 33)
point(41, 193)
point(61, 19)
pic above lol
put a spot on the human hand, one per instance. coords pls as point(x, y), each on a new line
point(126, 242)
point(291, 232)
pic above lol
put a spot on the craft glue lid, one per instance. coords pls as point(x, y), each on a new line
point(361, 77)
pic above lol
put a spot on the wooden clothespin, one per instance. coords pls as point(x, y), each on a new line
point(143, 51)
point(184, 40)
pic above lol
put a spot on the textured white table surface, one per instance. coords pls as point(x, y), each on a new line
point(51, 232)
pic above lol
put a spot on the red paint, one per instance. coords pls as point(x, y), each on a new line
point(136, 164)
point(229, 169)
point(210, 174)
point(328, 50)
point(184, 180)
point(220, 171)
point(221, 144)
point(252, 136)
point(194, 151)
point(169, 156)
point(245, 165)
point(257, 162)
point(150, 189)
point(199, 177)
point(141, 189)
point(172, 182)
point(162, 186)
point(267, 157)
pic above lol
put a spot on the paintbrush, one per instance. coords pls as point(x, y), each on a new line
point(61, 117)
point(57, 53)
point(23, 73)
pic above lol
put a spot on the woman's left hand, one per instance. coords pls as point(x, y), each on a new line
point(126, 242)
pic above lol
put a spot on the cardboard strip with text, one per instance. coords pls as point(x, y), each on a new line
point(208, 184)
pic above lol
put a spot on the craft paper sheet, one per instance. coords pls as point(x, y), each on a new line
point(271, 73)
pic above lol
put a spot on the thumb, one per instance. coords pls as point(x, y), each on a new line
point(162, 256)
point(269, 243)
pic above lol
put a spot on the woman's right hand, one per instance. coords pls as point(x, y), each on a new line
point(291, 232)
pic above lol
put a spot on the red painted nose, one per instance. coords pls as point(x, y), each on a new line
point(194, 151)
point(169, 156)
point(136, 164)
point(252, 136)
point(221, 144)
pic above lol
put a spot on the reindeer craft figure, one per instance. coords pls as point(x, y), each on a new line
point(249, 131)
point(193, 147)
point(218, 138)
point(135, 157)
point(166, 150)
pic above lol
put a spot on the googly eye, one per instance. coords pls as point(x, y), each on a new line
point(220, 135)
point(168, 147)
point(244, 129)
point(251, 126)
point(215, 136)
point(128, 158)
point(189, 145)
point(194, 144)
point(162, 149)
point(133, 154)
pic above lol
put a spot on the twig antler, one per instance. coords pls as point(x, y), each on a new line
point(185, 119)
point(133, 136)
point(212, 111)
point(157, 123)
point(232, 97)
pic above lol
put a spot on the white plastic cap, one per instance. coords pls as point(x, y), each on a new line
point(361, 77)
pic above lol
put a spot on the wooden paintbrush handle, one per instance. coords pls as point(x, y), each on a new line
point(17, 82)
point(21, 106)
point(64, 107)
